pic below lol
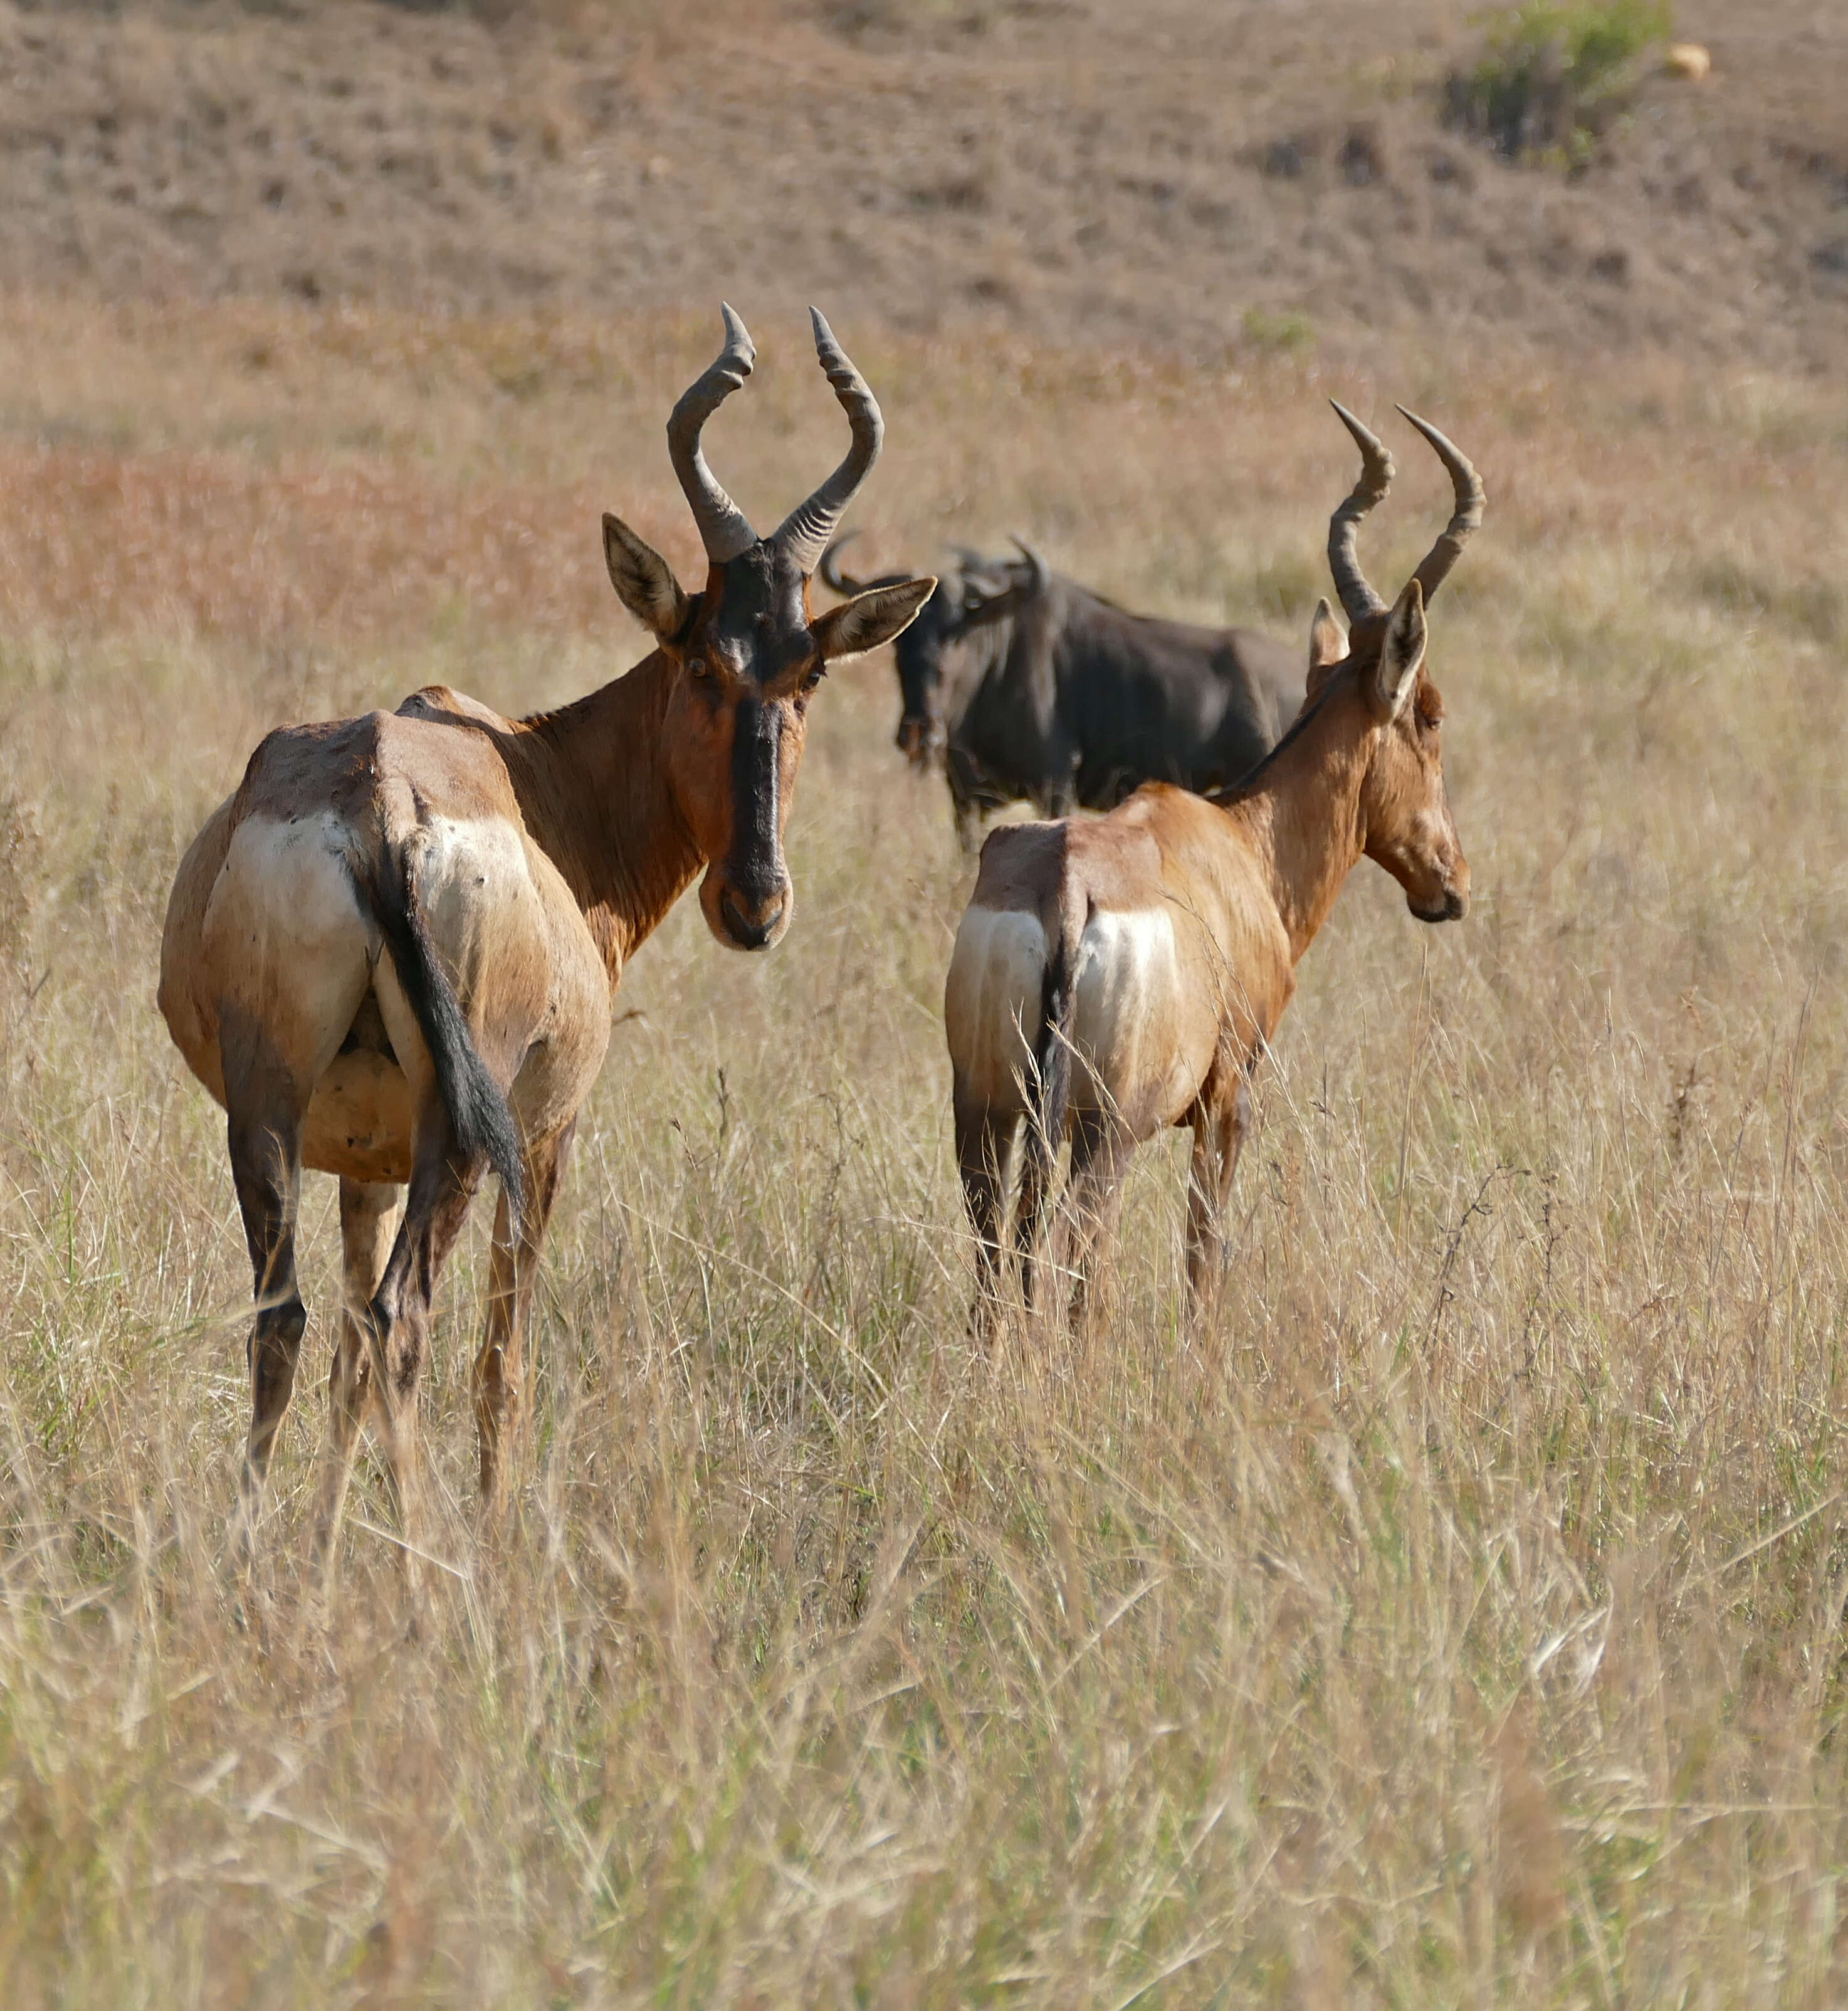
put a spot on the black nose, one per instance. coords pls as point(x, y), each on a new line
point(747, 933)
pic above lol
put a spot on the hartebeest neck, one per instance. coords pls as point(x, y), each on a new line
point(592, 782)
point(1301, 811)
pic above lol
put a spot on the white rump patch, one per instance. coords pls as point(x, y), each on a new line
point(1125, 1011)
point(991, 1001)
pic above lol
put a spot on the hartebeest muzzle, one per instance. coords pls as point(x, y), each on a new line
point(747, 895)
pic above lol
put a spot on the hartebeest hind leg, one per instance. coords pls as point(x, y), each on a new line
point(1102, 1149)
point(1219, 1127)
point(367, 1213)
point(983, 1139)
point(442, 1183)
point(266, 1166)
point(267, 1082)
point(501, 1368)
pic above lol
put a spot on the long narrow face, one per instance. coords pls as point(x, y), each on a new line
point(1404, 805)
point(749, 665)
point(1410, 829)
point(747, 652)
point(940, 656)
point(923, 730)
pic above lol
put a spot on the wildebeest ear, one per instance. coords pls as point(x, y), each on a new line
point(980, 610)
point(870, 618)
point(1327, 644)
point(643, 580)
point(1401, 653)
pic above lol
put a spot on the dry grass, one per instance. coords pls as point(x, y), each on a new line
point(1459, 1620)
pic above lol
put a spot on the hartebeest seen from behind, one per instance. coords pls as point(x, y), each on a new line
point(390, 955)
point(1114, 977)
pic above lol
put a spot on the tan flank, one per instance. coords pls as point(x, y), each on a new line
point(1111, 979)
point(390, 955)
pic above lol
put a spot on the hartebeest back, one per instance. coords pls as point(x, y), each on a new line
point(390, 955)
point(1114, 977)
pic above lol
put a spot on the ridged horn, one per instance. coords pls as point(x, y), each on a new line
point(804, 533)
point(724, 530)
point(1358, 598)
point(1042, 573)
point(1435, 566)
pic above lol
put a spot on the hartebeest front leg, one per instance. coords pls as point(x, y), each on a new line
point(501, 1368)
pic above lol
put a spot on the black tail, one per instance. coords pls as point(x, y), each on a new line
point(1050, 1095)
point(479, 1116)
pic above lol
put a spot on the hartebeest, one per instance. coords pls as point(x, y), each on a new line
point(390, 955)
point(1114, 977)
point(1024, 684)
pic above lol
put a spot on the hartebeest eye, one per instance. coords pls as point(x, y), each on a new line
point(699, 670)
point(814, 678)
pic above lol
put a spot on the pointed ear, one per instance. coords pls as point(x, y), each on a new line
point(643, 580)
point(1401, 654)
point(1328, 646)
point(870, 618)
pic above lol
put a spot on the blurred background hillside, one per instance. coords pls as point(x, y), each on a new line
point(1188, 175)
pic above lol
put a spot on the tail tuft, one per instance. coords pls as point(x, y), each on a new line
point(478, 1109)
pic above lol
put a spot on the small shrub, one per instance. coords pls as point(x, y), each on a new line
point(1290, 331)
point(1551, 77)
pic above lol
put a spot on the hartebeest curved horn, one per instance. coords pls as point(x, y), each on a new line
point(804, 533)
point(1358, 598)
point(1436, 563)
point(724, 530)
point(828, 566)
point(1041, 573)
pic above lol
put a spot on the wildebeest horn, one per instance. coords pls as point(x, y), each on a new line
point(804, 533)
point(1042, 573)
point(1358, 598)
point(828, 566)
point(1437, 561)
point(723, 529)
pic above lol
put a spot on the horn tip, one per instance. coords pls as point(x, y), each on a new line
point(737, 337)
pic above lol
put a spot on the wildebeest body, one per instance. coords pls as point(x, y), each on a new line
point(1074, 702)
point(1033, 688)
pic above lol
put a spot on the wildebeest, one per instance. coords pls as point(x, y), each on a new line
point(1111, 978)
point(390, 954)
point(1028, 685)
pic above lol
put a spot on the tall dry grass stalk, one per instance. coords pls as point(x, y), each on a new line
point(1459, 1619)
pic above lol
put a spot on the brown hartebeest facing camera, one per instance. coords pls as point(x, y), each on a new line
point(390, 955)
point(1114, 977)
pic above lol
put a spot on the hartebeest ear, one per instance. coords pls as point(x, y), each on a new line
point(643, 580)
point(1327, 644)
point(1401, 653)
point(870, 618)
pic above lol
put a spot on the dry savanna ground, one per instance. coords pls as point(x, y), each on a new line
point(1458, 1620)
